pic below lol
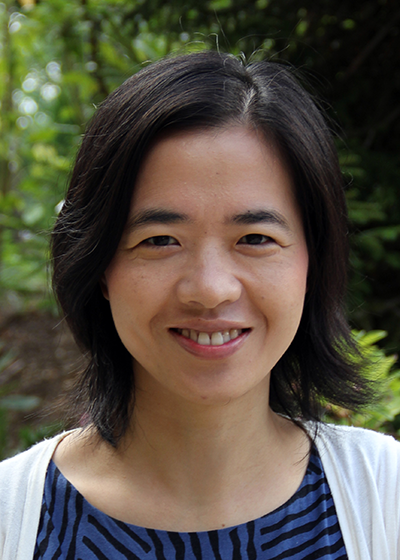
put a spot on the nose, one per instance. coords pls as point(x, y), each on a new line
point(209, 280)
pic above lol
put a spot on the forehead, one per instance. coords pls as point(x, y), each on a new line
point(214, 171)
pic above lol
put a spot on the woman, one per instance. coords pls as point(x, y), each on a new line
point(200, 259)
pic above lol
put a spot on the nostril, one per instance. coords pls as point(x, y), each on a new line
point(209, 289)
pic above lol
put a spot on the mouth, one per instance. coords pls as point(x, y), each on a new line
point(217, 338)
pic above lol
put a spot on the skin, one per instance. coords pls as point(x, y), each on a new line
point(214, 242)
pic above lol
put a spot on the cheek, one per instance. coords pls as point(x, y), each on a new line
point(122, 292)
point(281, 292)
point(124, 281)
point(283, 281)
point(296, 275)
point(137, 296)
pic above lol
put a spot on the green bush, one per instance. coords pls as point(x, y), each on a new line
point(384, 415)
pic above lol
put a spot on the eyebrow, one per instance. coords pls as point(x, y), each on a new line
point(260, 216)
point(162, 216)
point(155, 216)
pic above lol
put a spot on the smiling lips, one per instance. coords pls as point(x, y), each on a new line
point(217, 338)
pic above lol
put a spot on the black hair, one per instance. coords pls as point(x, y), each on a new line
point(204, 90)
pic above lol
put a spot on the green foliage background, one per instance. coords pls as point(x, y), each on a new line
point(59, 59)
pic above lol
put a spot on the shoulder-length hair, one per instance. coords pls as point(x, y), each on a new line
point(199, 91)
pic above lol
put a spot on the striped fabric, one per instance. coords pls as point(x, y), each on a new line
point(305, 527)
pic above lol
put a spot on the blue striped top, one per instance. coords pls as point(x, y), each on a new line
point(305, 527)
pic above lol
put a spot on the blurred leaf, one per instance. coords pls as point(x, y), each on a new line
point(383, 415)
point(23, 403)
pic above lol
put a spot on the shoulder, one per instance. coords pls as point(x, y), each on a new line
point(26, 460)
point(352, 444)
point(363, 471)
point(363, 465)
point(22, 476)
point(21, 492)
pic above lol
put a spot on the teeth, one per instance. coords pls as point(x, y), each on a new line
point(234, 333)
point(204, 339)
point(214, 339)
point(193, 335)
point(226, 336)
point(217, 339)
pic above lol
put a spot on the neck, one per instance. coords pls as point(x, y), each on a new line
point(202, 451)
point(188, 467)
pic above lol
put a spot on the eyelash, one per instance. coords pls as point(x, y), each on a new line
point(165, 240)
point(255, 236)
point(161, 239)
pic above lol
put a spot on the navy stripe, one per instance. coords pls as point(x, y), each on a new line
point(214, 541)
point(112, 540)
point(251, 549)
point(313, 468)
point(196, 546)
point(178, 544)
point(64, 524)
point(54, 492)
point(235, 544)
point(158, 545)
point(40, 549)
point(96, 551)
point(295, 516)
point(306, 528)
point(134, 536)
point(303, 546)
point(327, 550)
point(78, 517)
point(43, 545)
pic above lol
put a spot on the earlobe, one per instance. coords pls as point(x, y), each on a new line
point(104, 287)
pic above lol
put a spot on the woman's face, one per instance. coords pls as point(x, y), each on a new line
point(207, 286)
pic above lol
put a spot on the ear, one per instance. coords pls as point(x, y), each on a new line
point(104, 287)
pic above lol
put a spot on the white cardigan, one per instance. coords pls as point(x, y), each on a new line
point(362, 468)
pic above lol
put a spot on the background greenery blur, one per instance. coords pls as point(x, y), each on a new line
point(60, 59)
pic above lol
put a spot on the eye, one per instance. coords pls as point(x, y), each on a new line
point(160, 241)
point(255, 239)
